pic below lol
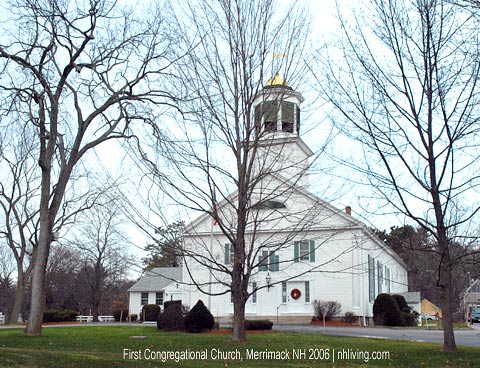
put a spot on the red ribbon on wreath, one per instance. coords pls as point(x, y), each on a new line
point(295, 293)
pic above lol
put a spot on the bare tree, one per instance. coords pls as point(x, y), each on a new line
point(229, 156)
point(81, 73)
point(407, 89)
point(6, 281)
point(19, 192)
point(102, 246)
point(19, 200)
point(62, 288)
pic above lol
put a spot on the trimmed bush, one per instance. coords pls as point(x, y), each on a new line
point(330, 308)
point(120, 312)
point(402, 303)
point(407, 317)
point(263, 324)
point(350, 317)
point(150, 312)
point(59, 315)
point(171, 318)
point(386, 311)
point(198, 318)
point(133, 317)
point(170, 302)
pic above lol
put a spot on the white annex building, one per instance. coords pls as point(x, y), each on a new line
point(299, 247)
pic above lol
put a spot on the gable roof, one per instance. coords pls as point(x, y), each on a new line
point(351, 222)
point(157, 279)
point(411, 296)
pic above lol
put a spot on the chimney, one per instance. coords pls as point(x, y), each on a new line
point(348, 210)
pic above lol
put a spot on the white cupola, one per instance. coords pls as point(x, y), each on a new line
point(277, 108)
point(277, 126)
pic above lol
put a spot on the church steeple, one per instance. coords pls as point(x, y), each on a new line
point(277, 126)
point(277, 108)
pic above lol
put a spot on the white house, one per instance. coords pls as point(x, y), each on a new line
point(156, 286)
point(300, 248)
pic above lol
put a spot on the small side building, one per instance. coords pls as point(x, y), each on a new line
point(156, 286)
point(472, 295)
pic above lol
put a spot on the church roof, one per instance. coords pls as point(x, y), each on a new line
point(157, 279)
point(276, 80)
point(350, 221)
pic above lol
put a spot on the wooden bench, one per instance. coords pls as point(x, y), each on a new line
point(90, 319)
point(106, 318)
point(84, 318)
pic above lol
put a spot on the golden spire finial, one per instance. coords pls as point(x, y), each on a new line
point(277, 80)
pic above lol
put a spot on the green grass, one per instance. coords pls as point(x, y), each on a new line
point(102, 346)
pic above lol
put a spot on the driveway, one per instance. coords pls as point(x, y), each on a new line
point(466, 337)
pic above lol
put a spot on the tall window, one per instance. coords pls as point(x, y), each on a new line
point(307, 291)
point(371, 278)
point(304, 250)
point(284, 292)
point(229, 254)
point(144, 298)
point(379, 276)
point(387, 278)
point(254, 295)
point(268, 261)
point(159, 298)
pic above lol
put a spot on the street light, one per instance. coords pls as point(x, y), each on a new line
point(268, 279)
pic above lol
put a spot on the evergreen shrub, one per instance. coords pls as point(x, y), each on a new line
point(386, 311)
point(59, 315)
point(263, 324)
point(171, 318)
point(199, 318)
point(407, 316)
point(150, 312)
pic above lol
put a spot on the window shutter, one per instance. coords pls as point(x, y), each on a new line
point(276, 265)
point(312, 250)
point(298, 119)
point(271, 261)
point(263, 261)
point(227, 254)
point(260, 264)
point(258, 115)
point(296, 251)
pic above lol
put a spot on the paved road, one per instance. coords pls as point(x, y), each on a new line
point(466, 337)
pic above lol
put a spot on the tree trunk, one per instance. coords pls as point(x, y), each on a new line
point(95, 308)
point(238, 318)
point(238, 294)
point(447, 312)
point(42, 249)
point(18, 297)
point(37, 305)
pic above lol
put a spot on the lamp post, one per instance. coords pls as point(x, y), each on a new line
point(268, 279)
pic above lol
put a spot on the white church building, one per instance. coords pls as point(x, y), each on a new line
point(300, 248)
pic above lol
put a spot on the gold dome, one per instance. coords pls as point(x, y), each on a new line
point(277, 80)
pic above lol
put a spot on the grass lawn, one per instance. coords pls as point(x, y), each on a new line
point(102, 346)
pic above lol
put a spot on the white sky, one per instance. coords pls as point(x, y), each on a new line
point(324, 26)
